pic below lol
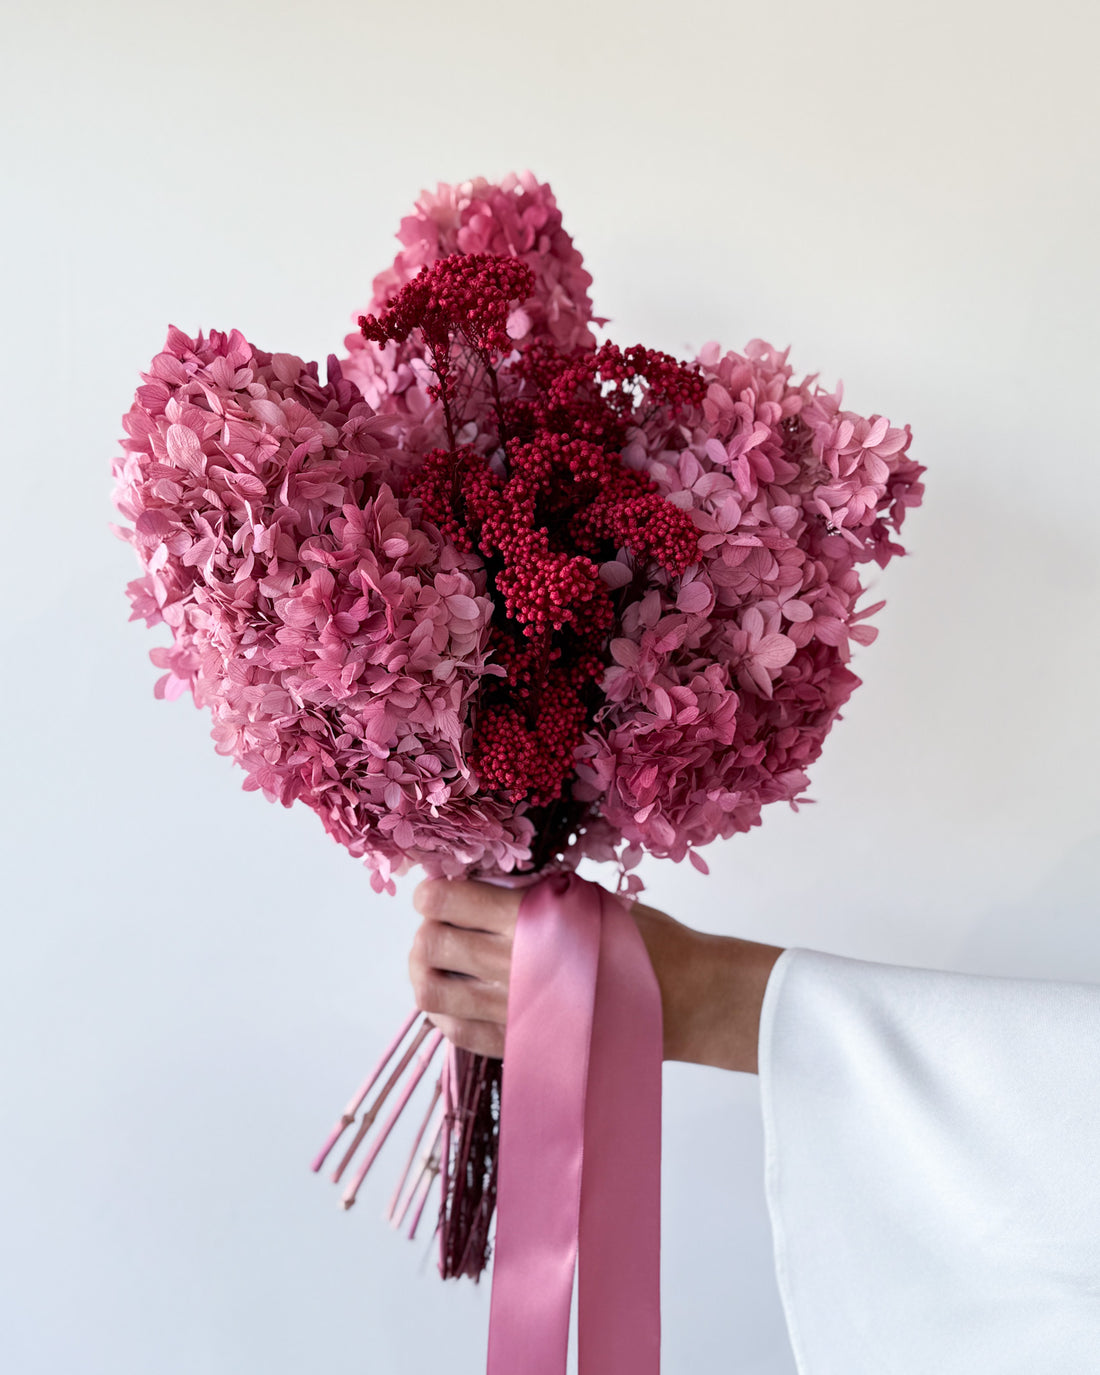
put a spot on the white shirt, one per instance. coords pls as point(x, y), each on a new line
point(933, 1168)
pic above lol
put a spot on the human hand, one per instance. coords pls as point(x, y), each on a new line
point(711, 987)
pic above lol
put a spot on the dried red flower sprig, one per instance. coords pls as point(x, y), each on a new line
point(465, 299)
point(545, 509)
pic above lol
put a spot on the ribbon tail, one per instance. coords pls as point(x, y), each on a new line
point(580, 1162)
point(552, 992)
point(619, 1273)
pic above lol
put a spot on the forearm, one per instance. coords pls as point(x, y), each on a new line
point(712, 990)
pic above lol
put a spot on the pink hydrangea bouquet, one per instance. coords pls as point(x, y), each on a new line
point(497, 596)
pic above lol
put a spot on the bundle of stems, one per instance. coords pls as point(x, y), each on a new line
point(456, 1138)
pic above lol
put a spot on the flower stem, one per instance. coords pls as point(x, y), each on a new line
point(392, 1213)
point(356, 1103)
point(373, 1110)
point(414, 1079)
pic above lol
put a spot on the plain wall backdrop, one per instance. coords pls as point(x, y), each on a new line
point(193, 980)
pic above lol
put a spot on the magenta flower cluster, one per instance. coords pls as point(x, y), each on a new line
point(340, 640)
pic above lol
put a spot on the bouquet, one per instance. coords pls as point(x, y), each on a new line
point(496, 595)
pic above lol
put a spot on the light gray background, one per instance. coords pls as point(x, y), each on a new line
point(193, 980)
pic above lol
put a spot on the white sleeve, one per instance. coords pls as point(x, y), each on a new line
point(932, 1168)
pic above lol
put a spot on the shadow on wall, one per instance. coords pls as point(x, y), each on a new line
point(1051, 933)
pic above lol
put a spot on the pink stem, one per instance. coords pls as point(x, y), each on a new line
point(414, 1079)
point(445, 1153)
point(412, 1154)
point(429, 1166)
point(429, 1174)
point(353, 1107)
point(374, 1109)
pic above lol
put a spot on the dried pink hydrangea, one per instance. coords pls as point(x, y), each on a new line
point(336, 641)
point(722, 690)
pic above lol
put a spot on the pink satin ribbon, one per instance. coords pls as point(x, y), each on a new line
point(579, 1182)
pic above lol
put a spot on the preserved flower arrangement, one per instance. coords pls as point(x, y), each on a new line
point(497, 596)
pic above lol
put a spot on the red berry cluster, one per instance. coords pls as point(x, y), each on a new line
point(551, 503)
point(666, 379)
point(599, 394)
point(468, 293)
